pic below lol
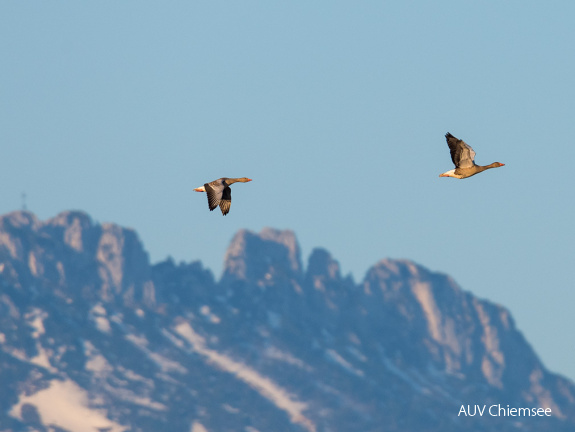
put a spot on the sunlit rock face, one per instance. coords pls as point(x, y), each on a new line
point(94, 337)
point(264, 258)
point(76, 257)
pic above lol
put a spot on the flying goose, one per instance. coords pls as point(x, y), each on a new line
point(463, 157)
point(219, 192)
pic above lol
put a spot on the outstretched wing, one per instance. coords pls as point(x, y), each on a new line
point(226, 201)
point(462, 154)
point(214, 191)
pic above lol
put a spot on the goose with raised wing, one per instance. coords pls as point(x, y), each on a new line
point(219, 192)
point(463, 158)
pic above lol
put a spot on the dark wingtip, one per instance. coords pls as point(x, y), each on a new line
point(448, 135)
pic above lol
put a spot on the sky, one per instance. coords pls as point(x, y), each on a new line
point(337, 111)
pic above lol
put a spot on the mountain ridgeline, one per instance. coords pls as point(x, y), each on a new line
point(94, 337)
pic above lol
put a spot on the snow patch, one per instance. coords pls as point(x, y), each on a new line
point(133, 376)
point(35, 319)
point(400, 374)
point(231, 409)
point(263, 385)
point(98, 314)
point(166, 365)
point(98, 309)
point(356, 353)
point(103, 324)
point(198, 427)
point(129, 396)
point(276, 354)
point(206, 311)
point(42, 359)
point(64, 404)
point(139, 341)
point(96, 362)
point(16, 353)
point(340, 361)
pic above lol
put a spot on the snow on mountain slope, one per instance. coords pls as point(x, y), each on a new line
point(93, 336)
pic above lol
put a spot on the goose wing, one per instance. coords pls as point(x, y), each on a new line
point(226, 200)
point(462, 154)
point(214, 191)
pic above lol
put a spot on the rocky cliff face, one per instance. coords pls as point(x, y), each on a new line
point(93, 337)
point(69, 253)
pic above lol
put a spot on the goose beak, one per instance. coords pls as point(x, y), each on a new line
point(199, 189)
point(500, 164)
point(249, 179)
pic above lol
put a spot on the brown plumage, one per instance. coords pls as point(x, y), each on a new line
point(219, 192)
point(463, 158)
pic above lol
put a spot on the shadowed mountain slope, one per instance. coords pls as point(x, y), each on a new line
point(92, 336)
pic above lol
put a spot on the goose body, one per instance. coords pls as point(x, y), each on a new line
point(219, 192)
point(463, 158)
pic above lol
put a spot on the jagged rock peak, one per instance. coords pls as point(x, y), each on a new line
point(399, 268)
point(423, 302)
point(322, 265)
point(252, 256)
point(421, 292)
point(406, 348)
point(19, 219)
point(14, 234)
point(122, 265)
point(75, 228)
point(289, 240)
point(25, 218)
point(124, 259)
point(70, 218)
point(286, 237)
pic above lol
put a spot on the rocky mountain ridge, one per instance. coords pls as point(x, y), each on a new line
point(94, 337)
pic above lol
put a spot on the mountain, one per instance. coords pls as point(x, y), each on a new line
point(95, 338)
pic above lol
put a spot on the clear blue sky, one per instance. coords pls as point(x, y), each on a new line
point(337, 111)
